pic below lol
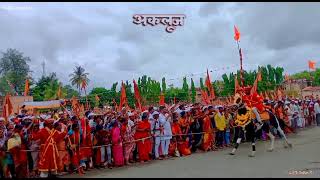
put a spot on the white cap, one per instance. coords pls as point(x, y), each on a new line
point(155, 113)
point(204, 107)
point(130, 114)
point(60, 112)
point(2, 119)
point(90, 114)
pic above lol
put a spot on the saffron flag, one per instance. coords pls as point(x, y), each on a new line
point(161, 100)
point(236, 34)
point(26, 88)
point(137, 95)
point(255, 84)
point(286, 77)
point(97, 98)
point(174, 100)
point(312, 65)
point(83, 84)
point(279, 94)
point(7, 107)
point(123, 97)
point(205, 97)
point(59, 93)
point(210, 87)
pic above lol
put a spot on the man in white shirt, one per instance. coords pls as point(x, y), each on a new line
point(156, 132)
point(317, 112)
point(167, 133)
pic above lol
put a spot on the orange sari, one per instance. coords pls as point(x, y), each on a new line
point(144, 146)
point(208, 136)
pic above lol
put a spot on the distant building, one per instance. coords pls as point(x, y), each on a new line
point(295, 87)
point(311, 92)
point(17, 102)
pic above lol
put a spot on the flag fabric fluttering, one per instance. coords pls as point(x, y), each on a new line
point(7, 107)
point(26, 88)
point(59, 93)
point(97, 98)
point(210, 87)
point(254, 88)
point(286, 77)
point(75, 105)
point(279, 94)
point(236, 33)
point(83, 84)
point(205, 97)
point(137, 95)
point(161, 100)
point(123, 97)
point(312, 65)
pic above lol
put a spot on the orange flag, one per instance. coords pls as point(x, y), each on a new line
point(255, 85)
point(59, 93)
point(97, 98)
point(266, 95)
point(83, 84)
point(279, 94)
point(210, 87)
point(205, 97)
point(236, 33)
point(137, 95)
point(26, 88)
point(161, 100)
point(7, 107)
point(286, 77)
point(174, 100)
point(115, 104)
point(312, 65)
point(123, 97)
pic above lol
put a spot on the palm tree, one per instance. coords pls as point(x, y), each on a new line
point(78, 76)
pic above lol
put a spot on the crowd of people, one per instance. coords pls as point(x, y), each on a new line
point(59, 142)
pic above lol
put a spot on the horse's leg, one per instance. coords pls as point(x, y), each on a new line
point(236, 146)
point(238, 133)
point(276, 124)
point(252, 135)
point(287, 143)
point(271, 136)
point(266, 128)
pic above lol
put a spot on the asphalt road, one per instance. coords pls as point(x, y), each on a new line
point(302, 160)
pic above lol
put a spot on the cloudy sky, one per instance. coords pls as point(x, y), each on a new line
point(102, 38)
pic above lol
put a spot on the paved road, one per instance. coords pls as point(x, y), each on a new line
point(304, 157)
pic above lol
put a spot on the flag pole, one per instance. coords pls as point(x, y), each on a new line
point(241, 67)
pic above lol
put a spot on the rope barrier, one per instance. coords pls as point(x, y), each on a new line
point(136, 140)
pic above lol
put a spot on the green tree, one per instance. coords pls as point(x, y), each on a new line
point(39, 91)
point(70, 92)
point(164, 86)
point(78, 76)
point(201, 84)
point(185, 89)
point(193, 91)
point(14, 68)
